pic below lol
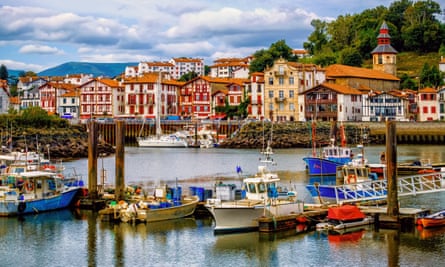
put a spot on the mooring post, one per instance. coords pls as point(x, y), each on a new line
point(120, 160)
point(92, 159)
point(391, 170)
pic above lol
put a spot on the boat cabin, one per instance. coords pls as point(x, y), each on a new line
point(261, 188)
point(335, 153)
point(351, 174)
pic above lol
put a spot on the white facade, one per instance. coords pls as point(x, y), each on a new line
point(185, 65)
point(255, 90)
point(384, 106)
point(77, 79)
point(349, 107)
point(427, 105)
point(441, 103)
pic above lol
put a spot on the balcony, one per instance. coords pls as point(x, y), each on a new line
point(280, 99)
point(186, 92)
point(280, 73)
point(321, 101)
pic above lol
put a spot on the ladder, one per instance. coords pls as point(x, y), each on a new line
point(406, 186)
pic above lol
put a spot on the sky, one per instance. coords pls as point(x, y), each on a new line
point(39, 34)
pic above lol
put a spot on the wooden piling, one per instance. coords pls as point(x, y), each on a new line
point(92, 159)
point(120, 160)
point(391, 169)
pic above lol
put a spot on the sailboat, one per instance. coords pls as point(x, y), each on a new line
point(161, 140)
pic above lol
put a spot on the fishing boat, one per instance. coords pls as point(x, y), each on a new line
point(434, 220)
point(34, 192)
point(350, 176)
point(332, 156)
point(162, 206)
point(260, 198)
point(174, 140)
point(344, 217)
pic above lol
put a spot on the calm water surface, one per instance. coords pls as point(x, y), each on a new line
point(78, 238)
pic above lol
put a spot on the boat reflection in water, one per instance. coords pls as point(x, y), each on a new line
point(430, 233)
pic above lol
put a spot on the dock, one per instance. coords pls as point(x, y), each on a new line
point(314, 214)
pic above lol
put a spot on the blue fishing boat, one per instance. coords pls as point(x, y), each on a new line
point(331, 157)
point(34, 192)
point(348, 185)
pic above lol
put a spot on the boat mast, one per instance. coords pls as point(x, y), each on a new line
point(158, 106)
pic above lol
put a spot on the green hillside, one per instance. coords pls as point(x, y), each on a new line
point(411, 63)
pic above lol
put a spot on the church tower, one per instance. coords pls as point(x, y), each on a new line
point(384, 56)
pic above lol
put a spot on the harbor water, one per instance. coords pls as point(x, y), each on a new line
point(79, 238)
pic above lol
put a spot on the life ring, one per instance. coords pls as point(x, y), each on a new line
point(352, 179)
point(29, 186)
point(21, 207)
point(48, 168)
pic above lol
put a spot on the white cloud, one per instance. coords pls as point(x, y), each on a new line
point(40, 49)
point(16, 65)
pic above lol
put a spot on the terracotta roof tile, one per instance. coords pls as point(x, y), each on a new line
point(339, 71)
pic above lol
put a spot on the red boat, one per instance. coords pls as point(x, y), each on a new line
point(433, 220)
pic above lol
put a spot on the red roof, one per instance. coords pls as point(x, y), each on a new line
point(345, 213)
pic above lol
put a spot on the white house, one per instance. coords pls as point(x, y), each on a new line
point(381, 106)
point(427, 105)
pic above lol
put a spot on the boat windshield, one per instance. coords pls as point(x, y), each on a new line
point(252, 188)
point(261, 188)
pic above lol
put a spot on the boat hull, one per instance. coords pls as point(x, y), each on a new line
point(320, 166)
point(187, 208)
point(161, 143)
point(19, 207)
point(431, 222)
point(327, 193)
point(237, 217)
point(175, 212)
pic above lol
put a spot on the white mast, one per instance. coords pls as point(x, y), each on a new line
point(158, 106)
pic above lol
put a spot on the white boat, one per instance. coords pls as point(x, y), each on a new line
point(261, 199)
point(160, 139)
point(171, 140)
point(34, 192)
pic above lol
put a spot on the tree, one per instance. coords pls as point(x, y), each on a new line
point(318, 38)
point(264, 58)
point(431, 76)
point(188, 76)
point(407, 82)
point(325, 58)
point(422, 32)
point(442, 50)
point(351, 57)
point(3, 72)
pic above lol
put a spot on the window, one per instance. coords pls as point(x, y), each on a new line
point(270, 80)
point(291, 93)
point(291, 107)
point(281, 94)
point(270, 93)
point(281, 81)
point(291, 80)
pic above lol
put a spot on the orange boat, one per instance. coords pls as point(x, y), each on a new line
point(434, 220)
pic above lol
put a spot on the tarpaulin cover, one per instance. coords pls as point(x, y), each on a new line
point(345, 213)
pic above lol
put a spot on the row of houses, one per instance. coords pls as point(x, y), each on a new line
point(285, 91)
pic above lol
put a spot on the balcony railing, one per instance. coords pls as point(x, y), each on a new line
point(280, 73)
point(280, 99)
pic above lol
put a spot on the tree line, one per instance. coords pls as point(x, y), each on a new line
point(414, 26)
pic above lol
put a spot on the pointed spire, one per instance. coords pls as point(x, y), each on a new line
point(384, 41)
